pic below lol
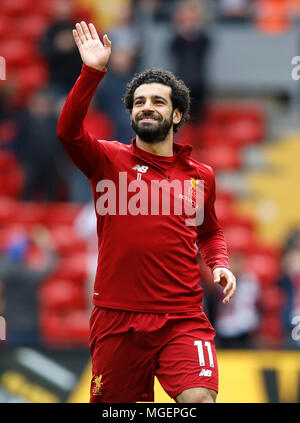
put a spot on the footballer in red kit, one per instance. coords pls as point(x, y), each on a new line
point(155, 210)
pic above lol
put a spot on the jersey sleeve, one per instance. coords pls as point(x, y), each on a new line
point(210, 237)
point(86, 152)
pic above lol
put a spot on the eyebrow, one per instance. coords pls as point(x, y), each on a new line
point(140, 97)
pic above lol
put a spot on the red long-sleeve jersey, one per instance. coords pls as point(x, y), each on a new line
point(146, 262)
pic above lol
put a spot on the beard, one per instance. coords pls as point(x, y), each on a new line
point(151, 132)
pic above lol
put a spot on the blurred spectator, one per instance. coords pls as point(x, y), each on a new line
point(77, 186)
point(8, 124)
point(190, 47)
point(99, 123)
point(154, 10)
point(121, 68)
point(38, 150)
point(125, 33)
point(145, 10)
point(105, 14)
point(290, 283)
point(293, 240)
point(59, 49)
point(237, 322)
point(122, 65)
point(234, 11)
point(85, 227)
point(20, 277)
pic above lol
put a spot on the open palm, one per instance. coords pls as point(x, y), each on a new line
point(93, 53)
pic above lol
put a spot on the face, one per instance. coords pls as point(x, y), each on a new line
point(152, 115)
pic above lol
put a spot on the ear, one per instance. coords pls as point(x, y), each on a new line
point(177, 115)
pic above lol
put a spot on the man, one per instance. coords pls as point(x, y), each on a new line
point(148, 319)
point(19, 281)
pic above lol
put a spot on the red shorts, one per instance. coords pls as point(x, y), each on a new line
point(129, 348)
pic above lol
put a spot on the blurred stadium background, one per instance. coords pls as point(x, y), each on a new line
point(236, 57)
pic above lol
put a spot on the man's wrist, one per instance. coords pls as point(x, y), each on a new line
point(221, 267)
point(90, 69)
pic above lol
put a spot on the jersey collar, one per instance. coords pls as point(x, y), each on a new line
point(179, 150)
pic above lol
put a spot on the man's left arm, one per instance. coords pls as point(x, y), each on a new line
point(212, 245)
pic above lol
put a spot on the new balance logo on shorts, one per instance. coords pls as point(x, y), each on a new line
point(205, 372)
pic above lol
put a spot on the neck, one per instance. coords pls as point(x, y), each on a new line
point(161, 148)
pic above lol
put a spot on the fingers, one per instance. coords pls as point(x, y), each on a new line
point(229, 289)
point(106, 41)
point(216, 277)
point(226, 279)
point(93, 32)
point(80, 33)
point(85, 30)
point(76, 38)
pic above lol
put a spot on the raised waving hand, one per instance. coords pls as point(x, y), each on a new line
point(93, 52)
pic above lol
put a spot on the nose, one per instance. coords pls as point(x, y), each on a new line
point(148, 105)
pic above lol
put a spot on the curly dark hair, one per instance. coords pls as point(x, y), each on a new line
point(180, 94)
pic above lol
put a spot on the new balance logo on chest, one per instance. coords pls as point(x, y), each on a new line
point(142, 169)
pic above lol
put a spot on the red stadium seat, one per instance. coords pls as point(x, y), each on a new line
point(233, 124)
point(17, 52)
point(266, 267)
point(271, 298)
point(56, 216)
point(220, 157)
point(239, 234)
point(271, 330)
point(224, 209)
point(73, 267)
point(31, 28)
point(28, 213)
point(240, 122)
point(11, 176)
point(190, 134)
point(225, 195)
point(17, 7)
point(99, 124)
point(58, 294)
point(8, 132)
point(53, 328)
point(6, 27)
point(77, 323)
point(64, 329)
point(46, 8)
point(66, 241)
point(30, 78)
point(62, 213)
point(8, 209)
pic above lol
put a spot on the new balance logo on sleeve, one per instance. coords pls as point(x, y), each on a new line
point(205, 372)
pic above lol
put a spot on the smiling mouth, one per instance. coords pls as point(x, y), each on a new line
point(148, 119)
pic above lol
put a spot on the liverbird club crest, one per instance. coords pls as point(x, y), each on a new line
point(195, 184)
point(97, 389)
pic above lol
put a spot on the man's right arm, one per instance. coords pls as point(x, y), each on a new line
point(80, 145)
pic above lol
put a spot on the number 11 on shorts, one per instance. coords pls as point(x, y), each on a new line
point(199, 345)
